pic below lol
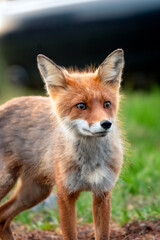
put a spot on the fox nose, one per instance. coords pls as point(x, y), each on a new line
point(106, 124)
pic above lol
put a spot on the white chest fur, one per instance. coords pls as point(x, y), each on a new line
point(93, 172)
point(98, 175)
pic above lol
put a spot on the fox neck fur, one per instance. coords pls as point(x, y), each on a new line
point(93, 164)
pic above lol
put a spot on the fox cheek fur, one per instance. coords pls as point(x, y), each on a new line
point(71, 139)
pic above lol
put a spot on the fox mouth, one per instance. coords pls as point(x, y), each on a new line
point(97, 134)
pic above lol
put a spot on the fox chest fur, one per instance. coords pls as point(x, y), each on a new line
point(89, 164)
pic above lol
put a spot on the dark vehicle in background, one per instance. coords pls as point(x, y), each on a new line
point(80, 32)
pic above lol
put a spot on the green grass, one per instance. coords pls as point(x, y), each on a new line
point(136, 195)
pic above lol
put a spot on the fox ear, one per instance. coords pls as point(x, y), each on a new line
point(51, 73)
point(111, 68)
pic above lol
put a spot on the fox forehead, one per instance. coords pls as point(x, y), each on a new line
point(88, 89)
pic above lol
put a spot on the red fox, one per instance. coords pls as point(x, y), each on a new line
point(70, 139)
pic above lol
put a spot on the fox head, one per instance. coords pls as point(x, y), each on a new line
point(85, 102)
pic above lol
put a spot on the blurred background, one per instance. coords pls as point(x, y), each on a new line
point(80, 33)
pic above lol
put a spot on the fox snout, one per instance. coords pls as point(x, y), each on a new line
point(98, 129)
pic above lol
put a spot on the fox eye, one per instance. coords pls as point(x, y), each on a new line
point(81, 106)
point(107, 104)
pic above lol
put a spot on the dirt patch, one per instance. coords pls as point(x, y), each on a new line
point(143, 230)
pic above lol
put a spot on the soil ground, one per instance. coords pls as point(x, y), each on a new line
point(148, 230)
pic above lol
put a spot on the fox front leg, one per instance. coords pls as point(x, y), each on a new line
point(101, 216)
point(67, 213)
